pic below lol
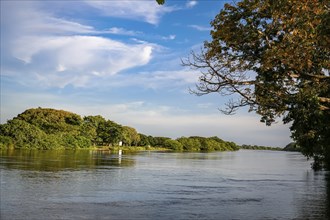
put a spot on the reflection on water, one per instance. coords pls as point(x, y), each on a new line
point(153, 185)
point(58, 160)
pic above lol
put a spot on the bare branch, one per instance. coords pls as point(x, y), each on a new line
point(324, 99)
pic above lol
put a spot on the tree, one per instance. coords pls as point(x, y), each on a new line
point(109, 132)
point(173, 145)
point(90, 126)
point(158, 141)
point(94, 120)
point(190, 144)
point(23, 134)
point(51, 120)
point(273, 57)
point(130, 136)
point(144, 140)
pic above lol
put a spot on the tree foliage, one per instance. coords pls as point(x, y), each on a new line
point(273, 56)
point(173, 145)
point(45, 128)
point(109, 132)
point(51, 120)
point(144, 140)
point(257, 147)
point(160, 2)
point(130, 136)
point(196, 143)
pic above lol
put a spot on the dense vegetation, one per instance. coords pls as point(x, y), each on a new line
point(256, 147)
point(51, 129)
point(44, 128)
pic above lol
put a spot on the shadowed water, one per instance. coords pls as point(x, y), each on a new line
point(155, 185)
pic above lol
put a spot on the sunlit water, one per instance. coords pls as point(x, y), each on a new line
point(151, 185)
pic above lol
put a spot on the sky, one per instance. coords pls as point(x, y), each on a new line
point(121, 60)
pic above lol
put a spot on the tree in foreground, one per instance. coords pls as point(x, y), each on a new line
point(273, 57)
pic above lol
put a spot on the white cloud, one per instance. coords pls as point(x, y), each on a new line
point(81, 56)
point(56, 52)
point(26, 18)
point(191, 4)
point(147, 11)
point(200, 28)
point(60, 68)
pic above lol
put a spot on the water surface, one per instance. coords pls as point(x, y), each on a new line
point(154, 185)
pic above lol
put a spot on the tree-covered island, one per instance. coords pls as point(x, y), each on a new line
point(45, 128)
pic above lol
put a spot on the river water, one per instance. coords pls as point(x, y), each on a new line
point(156, 185)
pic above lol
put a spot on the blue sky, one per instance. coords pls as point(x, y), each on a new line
point(122, 60)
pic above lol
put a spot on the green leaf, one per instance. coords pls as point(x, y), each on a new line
point(160, 2)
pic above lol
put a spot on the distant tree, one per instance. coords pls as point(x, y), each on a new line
point(130, 136)
point(173, 145)
point(94, 120)
point(273, 57)
point(52, 129)
point(217, 139)
point(208, 144)
point(196, 143)
point(90, 127)
point(71, 141)
point(88, 131)
point(110, 132)
point(158, 141)
point(51, 120)
point(144, 140)
point(190, 144)
point(73, 119)
point(231, 145)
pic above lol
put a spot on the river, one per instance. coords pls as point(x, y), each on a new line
point(155, 185)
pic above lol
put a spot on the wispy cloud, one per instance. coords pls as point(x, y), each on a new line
point(191, 4)
point(146, 11)
point(200, 28)
point(121, 31)
point(170, 37)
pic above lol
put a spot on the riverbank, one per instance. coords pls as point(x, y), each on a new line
point(129, 149)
